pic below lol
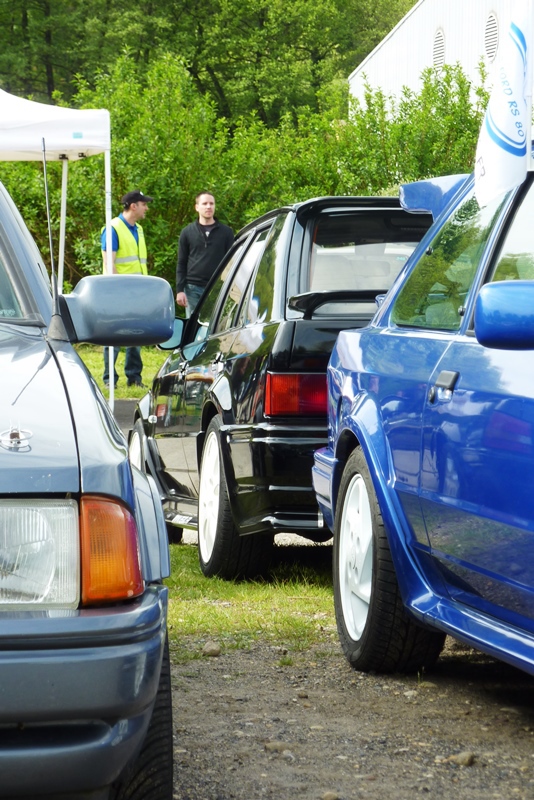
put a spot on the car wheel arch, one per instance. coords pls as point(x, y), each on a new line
point(209, 411)
point(222, 549)
point(366, 434)
point(375, 453)
point(347, 442)
point(375, 627)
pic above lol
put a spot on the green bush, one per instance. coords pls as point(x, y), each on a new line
point(168, 141)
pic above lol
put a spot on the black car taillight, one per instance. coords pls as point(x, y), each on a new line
point(289, 394)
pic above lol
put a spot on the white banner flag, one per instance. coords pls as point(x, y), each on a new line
point(501, 157)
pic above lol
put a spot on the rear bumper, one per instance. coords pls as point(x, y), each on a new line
point(76, 694)
point(268, 472)
point(324, 469)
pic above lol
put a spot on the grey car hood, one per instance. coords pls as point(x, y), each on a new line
point(38, 450)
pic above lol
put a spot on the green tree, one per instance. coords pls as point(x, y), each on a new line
point(168, 140)
point(269, 57)
point(41, 46)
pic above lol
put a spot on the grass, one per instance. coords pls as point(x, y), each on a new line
point(93, 358)
point(293, 609)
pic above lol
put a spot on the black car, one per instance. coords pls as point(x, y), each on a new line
point(237, 410)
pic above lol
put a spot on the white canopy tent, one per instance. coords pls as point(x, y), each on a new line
point(69, 134)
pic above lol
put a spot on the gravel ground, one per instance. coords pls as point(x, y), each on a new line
point(268, 723)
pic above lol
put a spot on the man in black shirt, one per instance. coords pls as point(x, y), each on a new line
point(201, 248)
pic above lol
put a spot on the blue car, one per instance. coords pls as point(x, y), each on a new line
point(85, 708)
point(427, 482)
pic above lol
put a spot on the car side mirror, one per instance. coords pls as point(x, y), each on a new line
point(176, 338)
point(504, 315)
point(119, 310)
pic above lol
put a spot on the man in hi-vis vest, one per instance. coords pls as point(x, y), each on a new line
point(128, 257)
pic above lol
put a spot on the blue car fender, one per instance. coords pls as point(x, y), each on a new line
point(153, 538)
point(366, 431)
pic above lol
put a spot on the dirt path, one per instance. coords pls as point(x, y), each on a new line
point(251, 725)
point(268, 724)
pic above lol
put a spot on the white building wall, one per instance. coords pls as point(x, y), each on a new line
point(408, 49)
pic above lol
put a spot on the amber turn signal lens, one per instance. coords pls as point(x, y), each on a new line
point(111, 568)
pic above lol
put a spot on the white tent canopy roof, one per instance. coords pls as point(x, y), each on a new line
point(68, 132)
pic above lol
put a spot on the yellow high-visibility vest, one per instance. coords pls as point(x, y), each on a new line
point(131, 255)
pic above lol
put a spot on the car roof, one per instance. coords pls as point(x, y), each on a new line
point(323, 203)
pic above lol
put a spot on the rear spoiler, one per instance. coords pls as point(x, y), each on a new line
point(308, 302)
point(431, 195)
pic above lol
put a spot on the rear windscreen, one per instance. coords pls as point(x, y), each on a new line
point(360, 251)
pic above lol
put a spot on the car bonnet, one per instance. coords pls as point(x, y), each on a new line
point(38, 452)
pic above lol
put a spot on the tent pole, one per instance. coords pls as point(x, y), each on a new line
point(107, 179)
point(62, 224)
point(109, 267)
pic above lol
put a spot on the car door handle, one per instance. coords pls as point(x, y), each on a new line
point(446, 381)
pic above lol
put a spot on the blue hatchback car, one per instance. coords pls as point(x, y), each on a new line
point(427, 481)
point(85, 701)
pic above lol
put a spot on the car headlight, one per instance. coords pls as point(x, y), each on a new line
point(39, 553)
point(60, 554)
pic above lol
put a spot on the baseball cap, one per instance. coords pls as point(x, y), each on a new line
point(135, 197)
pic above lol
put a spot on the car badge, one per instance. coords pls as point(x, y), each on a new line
point(15, 439)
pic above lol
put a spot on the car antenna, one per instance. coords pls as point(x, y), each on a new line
point(56, 329)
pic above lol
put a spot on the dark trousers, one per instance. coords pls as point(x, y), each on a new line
point(133, 365)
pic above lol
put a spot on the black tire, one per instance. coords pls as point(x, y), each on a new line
point(221, 551)
point(374, 628)
point(150, 776)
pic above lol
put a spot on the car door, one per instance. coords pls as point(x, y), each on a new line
point(401, 359)
point(477, 477)
point(205, 362)
point(175, 388)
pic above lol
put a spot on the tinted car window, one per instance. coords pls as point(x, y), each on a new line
point(249, 309)
point(434, 294)
point(208, 303)
point(234, 296)
point(360, 251)
point(260, 302)
point(9, 305)
point(516, 257)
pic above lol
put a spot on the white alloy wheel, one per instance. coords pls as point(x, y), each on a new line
point(136, 450)
point(355, 557)
point(221, 550)
point(208, 496)
point(374, 628)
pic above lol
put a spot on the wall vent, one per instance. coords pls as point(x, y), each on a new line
point(438, 55)
point(491, 37)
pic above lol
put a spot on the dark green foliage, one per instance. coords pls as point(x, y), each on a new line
point(169, 140)
point(263, 56)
